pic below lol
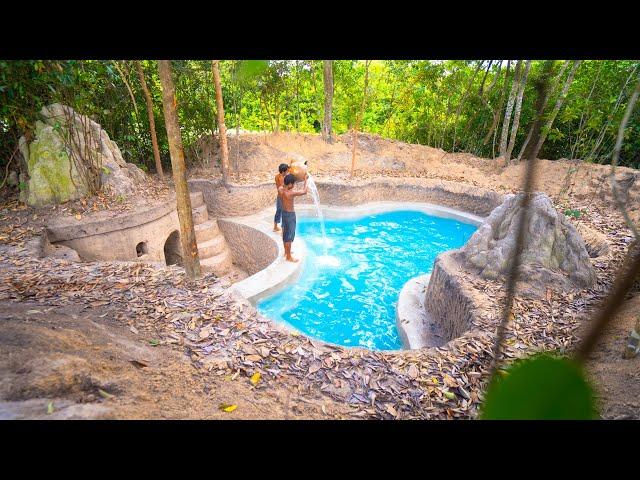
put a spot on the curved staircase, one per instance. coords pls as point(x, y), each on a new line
point(213, 250)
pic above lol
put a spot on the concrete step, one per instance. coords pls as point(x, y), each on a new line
point(197, 199)
point(218, 264)
point(200, 214)
point(207, 230)
point(211, 247)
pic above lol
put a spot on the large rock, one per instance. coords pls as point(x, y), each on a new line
point(53, 178)
point(63, 141)
point(554, 254)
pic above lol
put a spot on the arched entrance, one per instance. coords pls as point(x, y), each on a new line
point(173, 249)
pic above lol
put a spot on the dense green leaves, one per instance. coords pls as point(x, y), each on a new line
point(541, 388)
point(409, 100)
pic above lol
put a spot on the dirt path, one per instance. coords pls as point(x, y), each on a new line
point(90, 366)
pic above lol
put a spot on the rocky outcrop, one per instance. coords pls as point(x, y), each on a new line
point(63, 141)
point(553, 254)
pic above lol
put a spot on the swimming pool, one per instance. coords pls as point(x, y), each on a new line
point(351, 299)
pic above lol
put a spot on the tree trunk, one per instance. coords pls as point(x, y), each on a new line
point(547, 128)
point(222, 129)
point(509, 110)
point(496, 113)
point(297, 97)
point(481, 95)
point(266, 107)
point(460, 105)
point(601, 135)
point(584, 117)
point(484, 78)
point(152, 122)
point(187, 233)
point(238, 118)
point(359, 118)
point(544, 94)
point(328, 101)
point(516, 116)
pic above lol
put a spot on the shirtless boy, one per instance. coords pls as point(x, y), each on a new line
point(283, 169)
point(288, 214)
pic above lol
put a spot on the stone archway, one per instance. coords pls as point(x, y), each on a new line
point(173, 249)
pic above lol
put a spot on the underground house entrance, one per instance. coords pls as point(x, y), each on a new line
point(173, 249)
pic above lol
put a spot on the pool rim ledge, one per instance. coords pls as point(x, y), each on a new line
point(280, 273)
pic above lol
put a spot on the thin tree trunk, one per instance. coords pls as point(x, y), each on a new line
point(238, 117)
point(297, 97)
point(602, 133)
point(266, 107)
point(494, 82)
point(544, 94)
point(316, 96)
point(507, 114)
point(516, 117)
point(496, 113)
point(152, 122)
point(547, 128)
point(222, 129)
point(584, 117)
point(460, 105)
point(359, 118)
point(187, 233)
point(484, 78)
point(126, 83)
point(328, 101)
point(481, 94)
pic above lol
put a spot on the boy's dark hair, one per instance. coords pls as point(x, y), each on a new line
point(289, 179)
point(283, 167)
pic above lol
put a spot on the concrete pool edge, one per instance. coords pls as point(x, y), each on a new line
point(411, 318)
point(280, 273)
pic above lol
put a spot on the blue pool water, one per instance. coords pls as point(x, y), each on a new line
point(353, 303)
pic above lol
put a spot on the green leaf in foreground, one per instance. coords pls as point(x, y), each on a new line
point(50, 408)
point(541, 388)
point(250, 69)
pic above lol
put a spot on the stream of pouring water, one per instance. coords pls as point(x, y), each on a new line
point(316, 201)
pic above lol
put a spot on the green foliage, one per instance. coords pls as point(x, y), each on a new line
point(410, 100)
point(572, 213)
point(541, 388)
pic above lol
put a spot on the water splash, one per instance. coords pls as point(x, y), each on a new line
point(316, 200)
point(329, 261)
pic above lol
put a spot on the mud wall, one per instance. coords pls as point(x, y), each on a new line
point(251, 249)
point(447, 303)
point(241, 200)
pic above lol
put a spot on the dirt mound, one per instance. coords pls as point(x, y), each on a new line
point(255, 157)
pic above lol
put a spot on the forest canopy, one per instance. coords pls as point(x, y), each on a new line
point(572, 109)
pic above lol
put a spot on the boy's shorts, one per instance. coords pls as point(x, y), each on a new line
point(288, 226)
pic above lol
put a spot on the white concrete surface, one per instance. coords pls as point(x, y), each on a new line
point(411, 316)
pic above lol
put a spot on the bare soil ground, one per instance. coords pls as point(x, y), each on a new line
point(88, 365)
point(617, 379)
point(92, 359)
